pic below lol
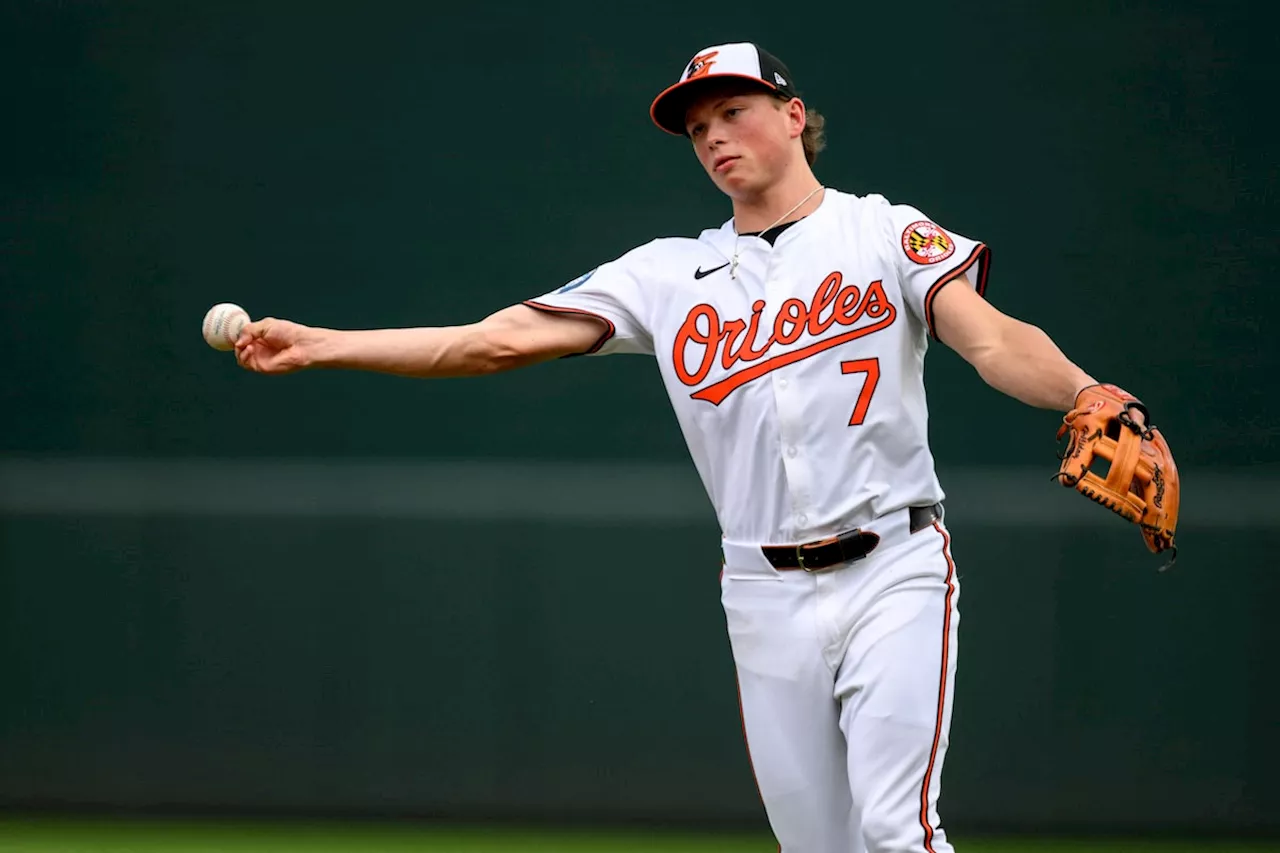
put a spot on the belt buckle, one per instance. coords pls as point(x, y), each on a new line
point(800, 562)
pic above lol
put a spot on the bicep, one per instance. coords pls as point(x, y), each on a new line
point(966, 322)
point(522, 335)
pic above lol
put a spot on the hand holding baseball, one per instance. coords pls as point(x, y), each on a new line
point(276, 346)
point(222, 325)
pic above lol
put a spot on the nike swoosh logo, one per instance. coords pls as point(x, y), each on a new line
point(698, 273)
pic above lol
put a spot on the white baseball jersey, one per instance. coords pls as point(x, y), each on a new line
point(798, 382)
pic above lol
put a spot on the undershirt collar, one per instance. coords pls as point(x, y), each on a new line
point(772, 234)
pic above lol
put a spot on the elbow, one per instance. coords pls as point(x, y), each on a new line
point(984, 357)
point(1007, 342)
point(490, 351)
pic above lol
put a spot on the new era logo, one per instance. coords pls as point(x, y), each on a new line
point(777, 78)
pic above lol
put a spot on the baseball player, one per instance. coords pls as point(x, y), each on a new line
point(791, 340)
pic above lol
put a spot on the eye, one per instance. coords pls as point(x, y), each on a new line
point(696, 131)
point(733, 111)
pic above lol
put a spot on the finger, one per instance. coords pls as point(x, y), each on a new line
point(255, 330)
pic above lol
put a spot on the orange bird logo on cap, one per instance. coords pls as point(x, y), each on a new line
point(701, 65)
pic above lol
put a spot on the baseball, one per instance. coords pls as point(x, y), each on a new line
point(222, 325)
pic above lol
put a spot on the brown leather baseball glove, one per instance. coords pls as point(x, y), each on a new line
point(1122, 463)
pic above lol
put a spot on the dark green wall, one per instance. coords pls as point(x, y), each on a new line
point(361, 666)
point(382, 164)
point(394, 166)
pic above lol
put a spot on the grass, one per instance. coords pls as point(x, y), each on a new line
point(100, 835)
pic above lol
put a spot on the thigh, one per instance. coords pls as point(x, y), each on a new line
point(790, 717)
point(896, 682)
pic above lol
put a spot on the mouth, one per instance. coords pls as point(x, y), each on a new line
point(723, 162)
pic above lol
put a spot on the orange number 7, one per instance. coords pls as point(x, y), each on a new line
point(871, 367)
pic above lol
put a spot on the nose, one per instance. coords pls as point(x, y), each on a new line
point(715, 139)
point(715, 134)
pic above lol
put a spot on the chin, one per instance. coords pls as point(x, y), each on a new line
point(739, 186)
point(731, 181)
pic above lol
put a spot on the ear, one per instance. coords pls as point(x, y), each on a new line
point(796, 117)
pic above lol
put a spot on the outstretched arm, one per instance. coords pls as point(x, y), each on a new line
point(1011, 356)
point(513, 337)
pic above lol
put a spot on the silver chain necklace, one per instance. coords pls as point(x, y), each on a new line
point(733, 263)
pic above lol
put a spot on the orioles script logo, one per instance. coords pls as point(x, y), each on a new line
point(702, 339)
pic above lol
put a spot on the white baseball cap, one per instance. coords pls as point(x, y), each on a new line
point(741, 60)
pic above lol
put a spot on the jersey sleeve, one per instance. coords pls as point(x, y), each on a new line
point(927, 257)
point(611, 292)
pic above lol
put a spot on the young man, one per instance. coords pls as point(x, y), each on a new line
point(791, 341)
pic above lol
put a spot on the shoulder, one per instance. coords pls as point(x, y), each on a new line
point(859, 208)
point(872, 205)
point(890, 219)
point(666, 247)
point(664, 253)
point(871, 217)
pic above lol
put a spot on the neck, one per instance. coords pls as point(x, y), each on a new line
point(758, 211)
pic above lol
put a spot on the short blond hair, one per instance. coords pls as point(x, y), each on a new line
point(814, 135)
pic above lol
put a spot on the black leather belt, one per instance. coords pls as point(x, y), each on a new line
point(844, 548)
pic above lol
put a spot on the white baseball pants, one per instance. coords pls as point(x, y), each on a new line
point(846, 679)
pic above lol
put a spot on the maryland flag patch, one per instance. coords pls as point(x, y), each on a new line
point(926, 243)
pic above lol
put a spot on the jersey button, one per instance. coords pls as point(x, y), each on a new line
point(782, 383)
point(802, 519)
point(791, 451)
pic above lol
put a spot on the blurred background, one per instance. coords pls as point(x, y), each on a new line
point(494, 602)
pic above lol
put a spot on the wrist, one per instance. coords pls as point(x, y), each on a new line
point(328, 348)
point(1082, 382)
